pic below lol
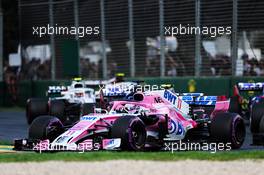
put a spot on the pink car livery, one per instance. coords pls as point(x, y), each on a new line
point(147, 121)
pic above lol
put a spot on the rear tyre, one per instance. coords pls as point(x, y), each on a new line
point(257, 111)
point(228, 128)
point(87, 108)
point(261, 125)
point(45, 127)
point(132, 132)
point(57, 109)
point(35, 107)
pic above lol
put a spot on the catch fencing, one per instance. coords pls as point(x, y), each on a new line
point(144, 38)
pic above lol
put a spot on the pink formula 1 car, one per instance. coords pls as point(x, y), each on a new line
point(147, 122)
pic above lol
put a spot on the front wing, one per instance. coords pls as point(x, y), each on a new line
point(87, 145)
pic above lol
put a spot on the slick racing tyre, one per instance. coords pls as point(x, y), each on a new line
point(228, 128)
point(57, 109)
point(257, 112)
point(45, 127)
point(88, 108)
point(261, 125)
point(35, 107)
point(132, 132)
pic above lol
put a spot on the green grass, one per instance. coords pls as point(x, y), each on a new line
point(106, 155)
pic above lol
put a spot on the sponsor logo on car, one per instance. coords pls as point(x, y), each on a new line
point(88, 118)
point(170, 97)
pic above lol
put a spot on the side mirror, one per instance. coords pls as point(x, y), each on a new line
point(100, 111)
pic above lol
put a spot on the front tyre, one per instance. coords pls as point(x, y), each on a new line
point(57, 109)
point(132, 132)
point(35, 107)
point(228, 128)
point(45, 127)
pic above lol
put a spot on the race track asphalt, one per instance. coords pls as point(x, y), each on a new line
point(13, 125)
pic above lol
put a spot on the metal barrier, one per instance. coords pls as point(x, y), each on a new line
point(207, 85)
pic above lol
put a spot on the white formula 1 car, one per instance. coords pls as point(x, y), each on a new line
point(73, 101)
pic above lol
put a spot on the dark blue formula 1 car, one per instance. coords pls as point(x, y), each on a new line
point(251, 108)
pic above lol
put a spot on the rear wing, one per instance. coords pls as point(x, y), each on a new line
point(250, 86)
point(55, 90)
point(197, 94)
point(199, 100)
